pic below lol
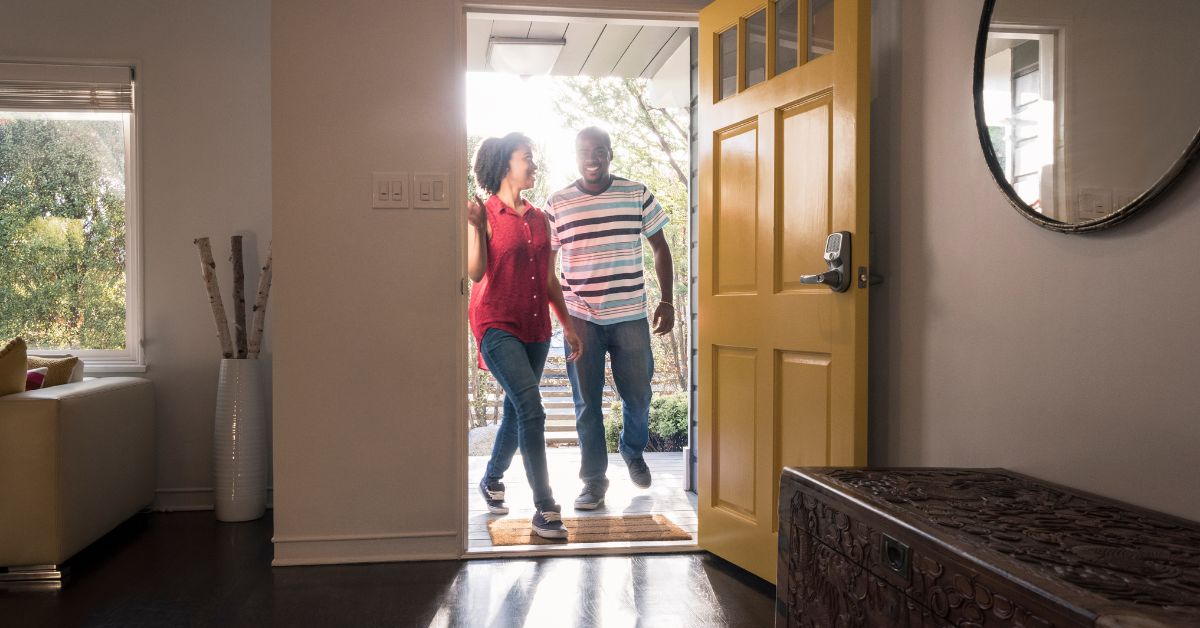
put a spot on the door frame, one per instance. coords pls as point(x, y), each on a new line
point(665, 13)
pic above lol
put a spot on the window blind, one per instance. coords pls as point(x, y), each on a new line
point(46, 87)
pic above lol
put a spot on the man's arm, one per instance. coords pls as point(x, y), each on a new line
point(664, 268)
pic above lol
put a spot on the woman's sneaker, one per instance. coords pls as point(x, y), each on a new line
point(548, 524)
point(592, 495)
point(493, 494)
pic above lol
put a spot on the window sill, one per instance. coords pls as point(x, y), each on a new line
point(111, 368)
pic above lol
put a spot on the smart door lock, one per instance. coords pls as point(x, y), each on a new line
point(837, 257)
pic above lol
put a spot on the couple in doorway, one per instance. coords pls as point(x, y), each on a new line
point(596, 225)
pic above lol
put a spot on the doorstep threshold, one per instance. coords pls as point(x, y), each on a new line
point(584, 549)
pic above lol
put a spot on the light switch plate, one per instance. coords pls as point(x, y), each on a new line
point(391, 190)
point(427, 188)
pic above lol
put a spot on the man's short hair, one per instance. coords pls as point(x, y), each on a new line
point(596, 132)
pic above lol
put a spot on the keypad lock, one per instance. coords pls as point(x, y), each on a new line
point(837, 258)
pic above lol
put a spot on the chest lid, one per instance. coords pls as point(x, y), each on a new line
point(1125, 565)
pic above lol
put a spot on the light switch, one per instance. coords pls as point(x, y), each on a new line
point(389, 190)
point(435, 191)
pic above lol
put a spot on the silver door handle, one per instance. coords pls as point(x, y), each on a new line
point(837, 258)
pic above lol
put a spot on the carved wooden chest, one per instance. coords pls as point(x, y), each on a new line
point(976, 548)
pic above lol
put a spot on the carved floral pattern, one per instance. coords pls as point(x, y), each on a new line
point(1114, 552)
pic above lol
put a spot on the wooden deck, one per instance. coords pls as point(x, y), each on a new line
point(665, 496)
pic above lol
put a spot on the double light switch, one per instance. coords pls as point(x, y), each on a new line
point(390, 190)
point(395, 190)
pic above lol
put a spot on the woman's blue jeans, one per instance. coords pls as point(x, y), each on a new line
point(518, 367)
point(628, 344)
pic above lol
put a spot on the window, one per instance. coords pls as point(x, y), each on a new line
point(69, 280)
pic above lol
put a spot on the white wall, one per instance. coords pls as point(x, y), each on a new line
point(997, 343)
point(204, 106)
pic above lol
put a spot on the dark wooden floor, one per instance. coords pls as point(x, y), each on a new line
point(185, 569)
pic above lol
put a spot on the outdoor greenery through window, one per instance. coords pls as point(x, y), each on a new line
point(62, 229)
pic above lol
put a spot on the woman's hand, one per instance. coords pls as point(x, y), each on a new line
point(477, 214)
point(576, 345)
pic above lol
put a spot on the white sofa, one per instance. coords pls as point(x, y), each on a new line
point(76, 460)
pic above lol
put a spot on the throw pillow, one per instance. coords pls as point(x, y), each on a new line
point(60, 369)
point(34, 378)
point(12, 367)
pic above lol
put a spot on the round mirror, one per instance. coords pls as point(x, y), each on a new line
point(1087, 109)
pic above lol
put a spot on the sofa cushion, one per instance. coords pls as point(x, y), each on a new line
point(60, 369)
point(12, 367)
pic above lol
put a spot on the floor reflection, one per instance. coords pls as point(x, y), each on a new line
point(635, 591)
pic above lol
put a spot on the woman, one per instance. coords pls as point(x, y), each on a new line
point(509, 259)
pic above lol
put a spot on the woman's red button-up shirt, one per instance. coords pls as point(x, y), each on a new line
point(513, 294)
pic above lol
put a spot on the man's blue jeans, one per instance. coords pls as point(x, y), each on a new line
point(518, 367)
point(632, 368)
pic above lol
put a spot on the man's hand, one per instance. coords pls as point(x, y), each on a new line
point(664, 319)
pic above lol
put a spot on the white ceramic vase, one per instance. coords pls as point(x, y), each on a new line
point(240, 443)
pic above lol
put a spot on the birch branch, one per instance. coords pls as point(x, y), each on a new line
point(662, 141)
point(260, 308)
point(239, 295)
point(214, 296)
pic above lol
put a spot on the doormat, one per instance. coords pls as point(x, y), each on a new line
point(590, 530)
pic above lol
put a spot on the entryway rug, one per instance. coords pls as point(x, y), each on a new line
point(590, 530)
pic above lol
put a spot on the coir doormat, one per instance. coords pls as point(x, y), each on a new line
point(590, 530)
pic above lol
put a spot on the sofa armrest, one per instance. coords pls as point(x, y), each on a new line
point(75, 461)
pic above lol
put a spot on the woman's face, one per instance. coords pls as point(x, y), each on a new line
point(521, 168)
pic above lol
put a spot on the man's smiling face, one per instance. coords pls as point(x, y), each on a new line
point(592, 155)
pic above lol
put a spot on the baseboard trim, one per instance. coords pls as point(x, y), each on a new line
point(367, 548)
point(191, 499)
point(363, 537)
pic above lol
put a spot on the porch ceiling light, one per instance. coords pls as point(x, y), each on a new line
point(524, 57)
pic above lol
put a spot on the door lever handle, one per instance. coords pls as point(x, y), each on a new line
point(837, 258)
point(831, 278)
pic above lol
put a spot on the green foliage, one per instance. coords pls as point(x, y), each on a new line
point(669, 415)
point(62, 232)
point(668, 423)
point(612, 426)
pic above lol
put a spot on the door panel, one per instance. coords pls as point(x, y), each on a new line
point(781, 365)
point(734, 451)
point(803, 215)
point(737, 210)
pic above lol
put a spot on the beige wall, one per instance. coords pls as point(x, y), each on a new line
point(204, 108)
point(997, 343)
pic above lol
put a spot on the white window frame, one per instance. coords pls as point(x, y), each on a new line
point(131, 359)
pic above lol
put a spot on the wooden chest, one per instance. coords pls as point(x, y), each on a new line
point(976, 548)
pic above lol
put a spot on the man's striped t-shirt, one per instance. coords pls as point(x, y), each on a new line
point(599, 236)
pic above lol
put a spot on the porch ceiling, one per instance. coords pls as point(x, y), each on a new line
point(592, 48)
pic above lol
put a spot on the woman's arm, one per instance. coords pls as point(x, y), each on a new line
point(560, 307)
point(477, 237)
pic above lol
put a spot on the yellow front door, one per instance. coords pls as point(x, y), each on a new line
point(784, 138)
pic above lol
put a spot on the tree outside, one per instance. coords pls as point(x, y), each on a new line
point(650, 145)
point(62, 231)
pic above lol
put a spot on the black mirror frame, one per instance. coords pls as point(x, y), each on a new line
point(1191, 154)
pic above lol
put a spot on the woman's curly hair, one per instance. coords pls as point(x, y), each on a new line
point(492, 157)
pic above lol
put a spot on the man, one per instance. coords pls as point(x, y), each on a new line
point(598, 223)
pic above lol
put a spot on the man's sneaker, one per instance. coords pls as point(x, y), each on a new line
point(592, 496)
point(638, 471)
point(493, 494)
point(548, 524)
